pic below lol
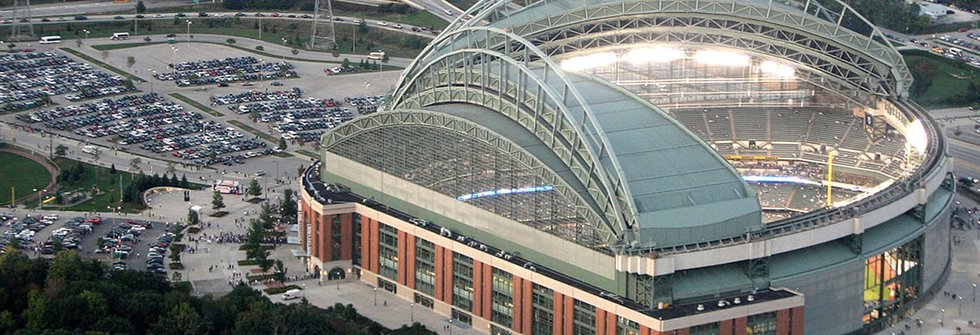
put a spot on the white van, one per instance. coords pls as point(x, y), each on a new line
point(50, 40)
point(292, 294)
point(119, 36)
point(90, 149)
point(376, 55)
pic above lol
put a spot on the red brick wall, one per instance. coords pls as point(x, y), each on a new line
point(402, 259)
point(796, 321)
point(569, 314)
point(324, 252)
point(518, 299)
point(740, 324)
point(725, 327)
point(526, 311)
point(782, 322)
point(477, 288)
point(487, 290)
point(346, 236)
point(304, 222)
point(558, 324)
point(366, 243)
point(410, 261)
point(600, 322)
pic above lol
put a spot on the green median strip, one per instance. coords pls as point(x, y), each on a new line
point(196, 104)
point(283, 154)
point(307, 153)
point(103, 65)
point(254, 131)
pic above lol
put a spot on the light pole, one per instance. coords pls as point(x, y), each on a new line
point(86, 34)
point(154, 74)
point(284, 46)
point(413, 311)
point(375, 296)
point(974, 292)
point(174, 59)
point(960, 298)
point(189, 29)
point(942, 317)
point(450, 326)
point(39, 197)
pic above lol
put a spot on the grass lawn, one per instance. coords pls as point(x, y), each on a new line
point(307, 153)
point(296, 32)
point(254, 131)
point(419, 18)
point(97, 177)
point(953, 78)
point(103, 65)
point(196, 104)
point(110, 47)
point(462, 4)
point(22, 175)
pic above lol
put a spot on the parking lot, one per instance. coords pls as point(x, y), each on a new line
point(27, 80)
point(296, 118)
point(126, 244)
point(226, 70)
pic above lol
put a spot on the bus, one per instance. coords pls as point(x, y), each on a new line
point(50, 40)
point(119, 36)
point(377, 55)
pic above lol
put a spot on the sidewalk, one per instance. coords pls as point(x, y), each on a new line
point(944, 314)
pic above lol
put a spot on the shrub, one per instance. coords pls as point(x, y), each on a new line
point(230, 41)
point(259, 48)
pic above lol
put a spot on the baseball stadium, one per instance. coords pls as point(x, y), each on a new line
point(643, 167)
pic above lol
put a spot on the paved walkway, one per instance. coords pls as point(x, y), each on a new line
point(944, 314)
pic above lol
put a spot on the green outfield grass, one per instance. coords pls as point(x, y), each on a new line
point(952, 78)
point(22, 175)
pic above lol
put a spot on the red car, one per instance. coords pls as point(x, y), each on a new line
point(94, 220)
point(276, 15)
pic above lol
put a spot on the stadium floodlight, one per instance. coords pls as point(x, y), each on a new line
point(917, 137)
point(777, 70)
point(723, 58)
point(587, 62)
point(653, 55)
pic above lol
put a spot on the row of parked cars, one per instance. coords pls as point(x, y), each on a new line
point(226, 70)
point(253, 96)
point(152, 122)
point(27, 78)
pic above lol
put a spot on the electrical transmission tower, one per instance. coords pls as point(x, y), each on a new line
point(22, 28)
point(324, 36)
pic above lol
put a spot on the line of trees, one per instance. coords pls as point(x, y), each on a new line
point(132, 192)
point(72, 295)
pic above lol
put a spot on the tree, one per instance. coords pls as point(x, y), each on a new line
point(183, 181)
point(282, 143)
point(265, 216)
point(193, 218)
point(288, 207)
point(135, 163)
point(104, 54)
point(140, 7)
point(300, 170)
point(60, 150)
point(182, 320)
point(217, 201)
point(254, 189)
point(112, 169)
point(280, 271)
point(130, 60)
point(171, 168)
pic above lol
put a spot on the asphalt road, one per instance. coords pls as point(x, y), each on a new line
point(348, 20)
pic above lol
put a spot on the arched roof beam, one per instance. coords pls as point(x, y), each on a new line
point(413, 117)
